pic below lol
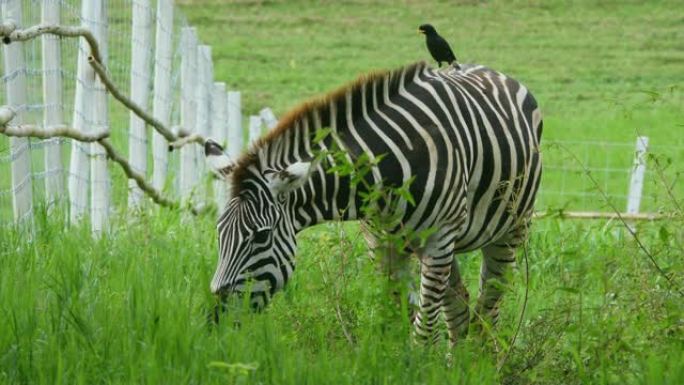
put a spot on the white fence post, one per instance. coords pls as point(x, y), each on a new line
point(636, 183)
point(141, 37)
point(269, 118)
point(254, 128)
point(79, 171)
point(52, 99)
point(20, 152)
point(235, 135)
point(188, 174)
point(98, 117)
point(219, 133)
point(161, 104)
point(203, 124)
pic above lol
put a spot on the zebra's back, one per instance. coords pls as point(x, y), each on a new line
point(473, 137)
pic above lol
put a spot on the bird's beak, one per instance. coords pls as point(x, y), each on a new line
point(421, 31)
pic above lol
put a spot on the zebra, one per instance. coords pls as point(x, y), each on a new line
point(468, 138)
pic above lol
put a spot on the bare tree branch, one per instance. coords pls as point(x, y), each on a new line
point(138, 178)
point(602, 215)
point(6, 28)
point(30, 130)
point(7, 113)
point(10, 34)
point(194, 138)
point(126, 101)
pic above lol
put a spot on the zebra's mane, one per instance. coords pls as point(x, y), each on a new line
point(306, 110)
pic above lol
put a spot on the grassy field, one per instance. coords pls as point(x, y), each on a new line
point(601, 72)
point(132, 306)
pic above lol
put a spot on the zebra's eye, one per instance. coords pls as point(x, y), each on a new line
point(261, 236)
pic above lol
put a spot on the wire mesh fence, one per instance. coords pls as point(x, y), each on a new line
point(594, 176)
point(152, 54)
point(48, 83)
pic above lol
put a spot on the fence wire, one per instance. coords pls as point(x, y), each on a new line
point(117, 60)
point(565, 184)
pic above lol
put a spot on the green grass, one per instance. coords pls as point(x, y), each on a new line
point(600, 71)
point(131, 307)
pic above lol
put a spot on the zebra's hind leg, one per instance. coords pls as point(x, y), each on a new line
point(456, 306)
point(434, 276)
point(498, 260)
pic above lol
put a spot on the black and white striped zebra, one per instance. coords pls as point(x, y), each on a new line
point(469, 137)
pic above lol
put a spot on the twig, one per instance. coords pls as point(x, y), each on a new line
point(522, 311)
point(9, 34)
point(194, 138)
point(101, 138)
point(6, 28)
point(138, 178)
point(338, 312)
point(126, 101)
point(6, 115)
point(30, 130)
point(668, 188)
point(602, 215)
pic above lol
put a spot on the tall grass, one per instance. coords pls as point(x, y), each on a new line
point(132, 307)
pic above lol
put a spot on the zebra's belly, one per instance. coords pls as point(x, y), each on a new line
point(478, 234)
point(498, 211)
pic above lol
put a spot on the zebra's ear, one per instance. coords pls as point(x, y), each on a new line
point(288, 179)
point(219, 163)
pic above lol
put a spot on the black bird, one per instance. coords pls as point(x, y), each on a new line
point(438, 47)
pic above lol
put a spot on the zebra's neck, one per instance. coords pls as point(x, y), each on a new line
point(331, 126)
point(345, 115)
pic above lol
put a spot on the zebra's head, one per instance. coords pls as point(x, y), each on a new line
point(256, 235)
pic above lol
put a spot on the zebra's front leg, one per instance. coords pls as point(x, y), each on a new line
point(434, 277)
